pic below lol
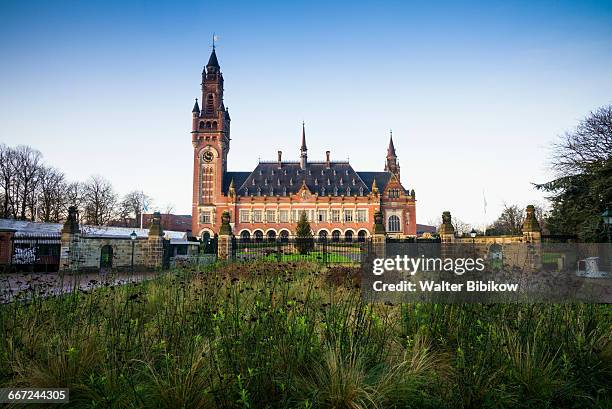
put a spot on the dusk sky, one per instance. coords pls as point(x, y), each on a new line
point(474, 92)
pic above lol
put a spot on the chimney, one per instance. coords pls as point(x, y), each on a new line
point(327, 161)
point(280, 159)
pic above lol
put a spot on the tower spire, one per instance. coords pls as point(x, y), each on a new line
point(391, 164)
point(303, 149)
point(391, 148)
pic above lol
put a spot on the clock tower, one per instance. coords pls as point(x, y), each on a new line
point(210, 136)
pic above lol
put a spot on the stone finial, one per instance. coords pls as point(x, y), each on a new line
point(374, 188)
point(155, 229)
point(531, 222)
point(71, 225)
point(379, 225)
point(225, 229)
point(412, 194)
point(447, 226)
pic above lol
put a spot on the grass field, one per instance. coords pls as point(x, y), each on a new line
point(297, 335)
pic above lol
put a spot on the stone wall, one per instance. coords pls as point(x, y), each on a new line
point(84, 253)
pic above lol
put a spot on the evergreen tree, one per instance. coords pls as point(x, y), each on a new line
point(583, 187)
point(304, 241)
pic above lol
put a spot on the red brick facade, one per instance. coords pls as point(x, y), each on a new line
point(338, 201)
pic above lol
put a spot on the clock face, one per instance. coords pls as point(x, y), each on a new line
point(208, 156)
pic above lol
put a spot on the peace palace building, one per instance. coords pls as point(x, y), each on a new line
point(267, 202)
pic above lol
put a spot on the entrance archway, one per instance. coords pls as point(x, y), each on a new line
point(106, 256)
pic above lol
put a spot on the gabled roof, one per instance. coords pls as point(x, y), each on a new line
point(337, 180)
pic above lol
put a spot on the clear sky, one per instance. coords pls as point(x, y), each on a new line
point(474, 92)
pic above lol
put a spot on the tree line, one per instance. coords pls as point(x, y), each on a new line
point(34, 191)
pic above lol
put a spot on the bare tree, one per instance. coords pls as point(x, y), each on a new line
point(19, 179)
point(52, 195)
point(99, 201)
point(589, 143)
point(7, 176)
point(509, 222)
point(133, 205)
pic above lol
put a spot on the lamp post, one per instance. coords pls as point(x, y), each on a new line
point(133, 236)
point(473, 236)
point(607, 219)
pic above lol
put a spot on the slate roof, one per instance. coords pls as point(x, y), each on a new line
point(339, 179)
point(212, 61)
point(238, 177)
point(26, 228)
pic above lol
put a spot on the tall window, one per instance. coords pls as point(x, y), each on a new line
point(210, 104)
point(283, 216)
point(322, 216)
point(335, 215)
point(362, 215)
point(270, 216)
point(244, 216)
point(205, 217)
point(257, 216)
point(394, 223)
point(348, 215)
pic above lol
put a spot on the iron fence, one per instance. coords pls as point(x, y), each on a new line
point(300, 249)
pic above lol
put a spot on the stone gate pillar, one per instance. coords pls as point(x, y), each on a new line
point(532, 235)
point(379, 239)
point(155, 245)
point(224, 242)
point(70, 242)
point(447, 235)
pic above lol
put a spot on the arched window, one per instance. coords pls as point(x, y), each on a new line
point(336, 236)
point(271, 235)
point(284, 236)
point(348, 236)
point(393, 224)
point(322, 236)
point(245, 235)
point(361, 236)
point(206, 237)
point(258, 236)
point(210, 104)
